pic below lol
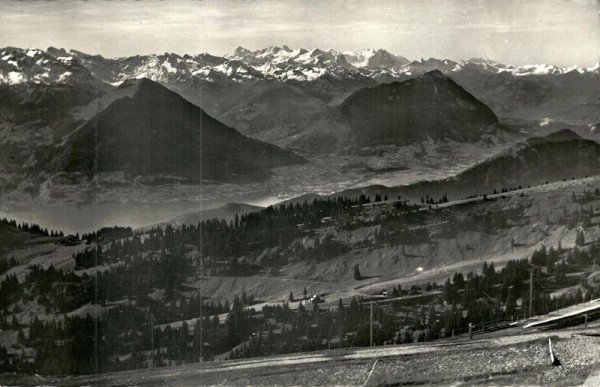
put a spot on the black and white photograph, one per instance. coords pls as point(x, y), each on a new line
point(300, 193)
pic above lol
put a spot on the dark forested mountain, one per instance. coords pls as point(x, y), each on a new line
point(154, 131)
point(430, 106)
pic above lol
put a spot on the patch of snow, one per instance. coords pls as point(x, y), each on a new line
point(539, 69)
point(32, 52)
point(595, 68)
point(65, 59)
point(222, 68)
point(579, 69)
point(360, 59)
point(169, 67)
point(15, 77)
point(202, 72)
point(42, 76)
point(64, 76)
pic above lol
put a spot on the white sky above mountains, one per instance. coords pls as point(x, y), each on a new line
point(562, 32)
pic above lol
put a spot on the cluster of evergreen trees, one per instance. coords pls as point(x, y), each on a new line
point(6, 264)
point(31, 228)
point(9, 290)
point(146, 273)
point(122, 332)
point(430, 200)
point(108, 233)
point(221, 243)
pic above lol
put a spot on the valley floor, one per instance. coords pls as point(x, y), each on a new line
point(112, 199)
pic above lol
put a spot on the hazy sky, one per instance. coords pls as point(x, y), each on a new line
point(564, 32)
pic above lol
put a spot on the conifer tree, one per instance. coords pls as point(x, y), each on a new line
point(580, 238)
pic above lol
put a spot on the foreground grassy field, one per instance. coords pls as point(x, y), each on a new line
point(511, 357)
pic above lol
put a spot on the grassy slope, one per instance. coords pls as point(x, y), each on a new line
point(449, 251)
point(512, 357)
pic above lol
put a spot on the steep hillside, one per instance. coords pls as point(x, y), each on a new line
point(157, 132)
point(38, 92)
point(344, 252)
point(23, 245)
point(273, 111)
point(392, 247)
point(562, 155)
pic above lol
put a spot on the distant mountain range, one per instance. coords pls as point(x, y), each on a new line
point(214, 82)
point(280, 63)
point(314, 100)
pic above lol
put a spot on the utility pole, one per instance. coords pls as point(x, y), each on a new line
point(371, 325)
point(471, 326)
point(531, 293)
point(152, 339)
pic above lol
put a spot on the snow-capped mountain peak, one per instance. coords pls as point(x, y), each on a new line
point(34, 65)
point(375, 59)
point(57, 65)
